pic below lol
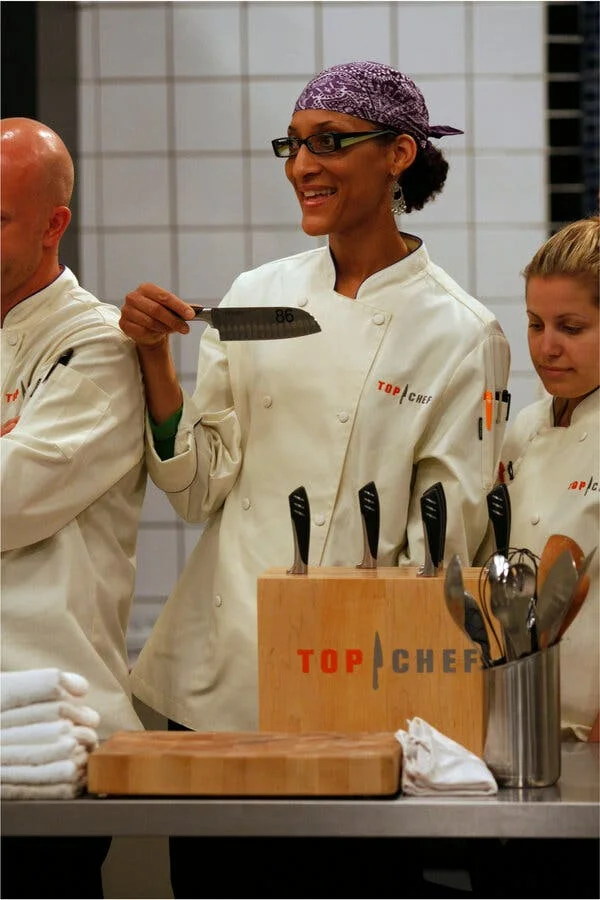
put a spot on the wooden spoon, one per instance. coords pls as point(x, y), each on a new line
point(579, 594)
point(554, 546)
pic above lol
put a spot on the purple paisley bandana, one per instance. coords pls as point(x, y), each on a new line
point(376, 92)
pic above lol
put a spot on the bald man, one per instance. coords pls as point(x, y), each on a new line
point(73, 476)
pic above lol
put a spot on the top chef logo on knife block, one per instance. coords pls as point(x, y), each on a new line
point(257, 323)
point(365, 647)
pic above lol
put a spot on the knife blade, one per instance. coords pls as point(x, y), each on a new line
point(257, 323)
point(377, 660)
point(433, 513)
point(499, 512)
point(300, 513)
point(368, 499)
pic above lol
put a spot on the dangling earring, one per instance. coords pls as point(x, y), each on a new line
point(398, 201)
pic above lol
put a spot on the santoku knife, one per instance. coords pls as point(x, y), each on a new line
point(368, 499)
point(300, 512)
point(257, 323)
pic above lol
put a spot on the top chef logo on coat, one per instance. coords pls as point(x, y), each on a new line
point(402, 392)
point(591, 484)
point(422, 660)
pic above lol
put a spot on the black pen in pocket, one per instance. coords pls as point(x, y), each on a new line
point(63, 360)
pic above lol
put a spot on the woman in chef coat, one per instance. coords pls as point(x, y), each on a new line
point(390, 390)
point(550, 462)
point(551, 454)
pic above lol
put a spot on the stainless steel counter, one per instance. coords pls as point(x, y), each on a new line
point(571, 808)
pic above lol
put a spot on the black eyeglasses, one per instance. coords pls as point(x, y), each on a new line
point(326, 142)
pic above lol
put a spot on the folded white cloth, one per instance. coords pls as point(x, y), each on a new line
point(36, 733)
point(36, 685)
point(60, 791)
point(63, 770)
point(50, 711)
point(37, 754)
point(49, 733)
point(435, 764)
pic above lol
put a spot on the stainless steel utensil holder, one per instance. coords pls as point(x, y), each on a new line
point(522, 720)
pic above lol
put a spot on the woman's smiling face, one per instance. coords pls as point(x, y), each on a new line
point(563, 334)
point(346, 190)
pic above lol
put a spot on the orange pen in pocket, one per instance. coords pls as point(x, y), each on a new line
point(489, 409)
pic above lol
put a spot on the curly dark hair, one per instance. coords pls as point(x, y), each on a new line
point(425, 178)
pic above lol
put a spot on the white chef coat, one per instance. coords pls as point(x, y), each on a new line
point(389, 391)
point(554, 489)
point(73, 483)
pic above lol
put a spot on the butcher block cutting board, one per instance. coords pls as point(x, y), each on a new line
point(256, 763)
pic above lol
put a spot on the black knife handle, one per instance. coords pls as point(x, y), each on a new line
point(300, 513)
point(433, 511)
point(498, 504)
point(368, 500)
point(439, 487)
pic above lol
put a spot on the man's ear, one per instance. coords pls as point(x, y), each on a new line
point(57, 225)
point(405, 151)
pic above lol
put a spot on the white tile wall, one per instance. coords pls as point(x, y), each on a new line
point(510, 188)
point(281, 38)
point(131, 40)
point(135, 191)
point(206, 39)
point(143, 129)
point(178, 104)
point(200, 280)
point(210, 191)
point(199, 120)
point(356, 31)
point(270, 107)
point(432, 38)
point(508, 38)
point(133, 257)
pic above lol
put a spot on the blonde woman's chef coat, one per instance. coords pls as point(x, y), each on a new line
point(390, 390)
point(73, 482)
point(554, 490)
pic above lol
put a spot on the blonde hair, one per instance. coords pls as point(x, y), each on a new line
point(573, 251)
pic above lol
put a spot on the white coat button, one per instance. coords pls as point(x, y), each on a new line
point(246, 503)
point(267, 401)
point(218, 600)
point(583, 436)
point(319, 519)
point(12, 339)
point(302, 301)
point(343, 416)
point(378, 319)
point(535, 519)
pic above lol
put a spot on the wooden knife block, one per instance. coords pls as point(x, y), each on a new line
point(319, 665)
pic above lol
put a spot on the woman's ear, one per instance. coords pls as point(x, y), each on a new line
point(405, 151)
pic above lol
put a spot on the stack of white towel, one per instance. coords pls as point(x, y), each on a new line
point(46, 734)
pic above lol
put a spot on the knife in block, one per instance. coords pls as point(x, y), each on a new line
point(498, 503)
point(368, 500)
point(433, 513)
point(300, 513)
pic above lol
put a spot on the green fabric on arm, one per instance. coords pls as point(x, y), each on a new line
point(164, 434)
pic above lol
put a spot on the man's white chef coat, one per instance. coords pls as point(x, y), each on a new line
point(391, 391)
point(553, 478)
point(73, 482)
